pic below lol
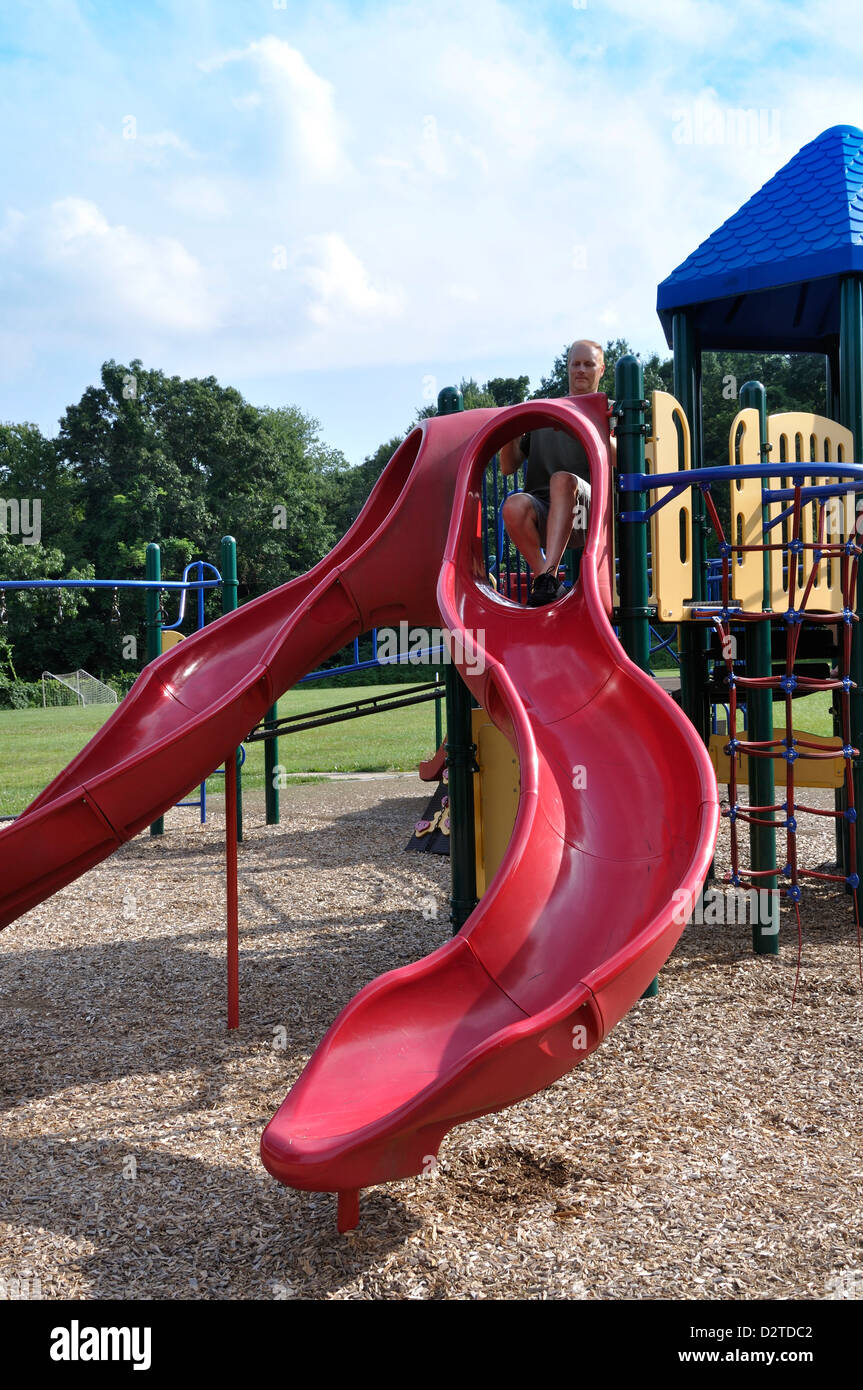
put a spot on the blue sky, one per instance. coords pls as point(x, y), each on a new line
point(345, 206)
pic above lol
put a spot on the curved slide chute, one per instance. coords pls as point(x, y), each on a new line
point(192, 706)
point(616, 823)
point(615, 830)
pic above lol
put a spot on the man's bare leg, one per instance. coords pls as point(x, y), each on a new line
point(563, 490)
point(519, 517)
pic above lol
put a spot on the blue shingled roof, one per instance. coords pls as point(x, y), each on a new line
point(769, 276)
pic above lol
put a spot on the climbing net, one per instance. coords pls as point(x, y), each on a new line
point(792, 746)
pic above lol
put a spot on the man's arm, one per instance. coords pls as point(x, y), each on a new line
point(511, 456)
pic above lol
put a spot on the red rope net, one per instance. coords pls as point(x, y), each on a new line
point(791, 748)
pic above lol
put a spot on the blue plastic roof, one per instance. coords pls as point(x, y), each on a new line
point(768, 278)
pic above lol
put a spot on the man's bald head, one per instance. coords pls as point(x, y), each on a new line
point(585, 364)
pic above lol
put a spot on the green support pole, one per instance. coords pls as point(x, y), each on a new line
point(634, 589)
point(833, 376)
point(851, 415)
point(230, 588)
point(271, 762)
point(759, 703)
point(692, 637)
point(460, 753)
point(634, 611)
point(438, 718)
point(153, 571)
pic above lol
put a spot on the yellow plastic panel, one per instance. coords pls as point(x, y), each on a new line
point(496, 791)
point(798, 437)
point(747, 570)
point(170, 639)
point(671, 527)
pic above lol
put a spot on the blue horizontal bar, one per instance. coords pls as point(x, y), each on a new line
point(697, 477)
point(787, 494)
point(108, 584)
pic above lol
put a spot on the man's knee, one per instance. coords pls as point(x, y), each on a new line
point(564, 484)
point(517, 510)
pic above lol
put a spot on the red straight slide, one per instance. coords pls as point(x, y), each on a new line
point(616, 822)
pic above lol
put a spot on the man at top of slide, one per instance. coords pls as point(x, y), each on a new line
point(551, 514)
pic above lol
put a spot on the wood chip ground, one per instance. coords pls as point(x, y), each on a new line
point(711, 1148)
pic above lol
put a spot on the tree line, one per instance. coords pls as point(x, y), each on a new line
point(147, 457)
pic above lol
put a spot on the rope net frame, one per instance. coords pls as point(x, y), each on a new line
point(846, 554)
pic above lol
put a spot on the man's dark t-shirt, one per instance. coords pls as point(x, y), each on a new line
point(551, 451)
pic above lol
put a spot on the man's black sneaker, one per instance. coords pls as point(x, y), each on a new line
point(544, 589)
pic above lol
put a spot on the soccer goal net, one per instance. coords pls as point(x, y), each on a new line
point(75, 688)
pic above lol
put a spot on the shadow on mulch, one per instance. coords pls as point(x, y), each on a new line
point(190, 1229)
point(395, 816)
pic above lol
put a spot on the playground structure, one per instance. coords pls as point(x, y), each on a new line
point(583, 908)
point(160, 636)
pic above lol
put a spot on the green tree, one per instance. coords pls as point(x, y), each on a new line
point(44, 629)
point(183, 462)
point(274, 497)
point(508, 390)
point(793, 381)
point(347, 489)
point(33, 472)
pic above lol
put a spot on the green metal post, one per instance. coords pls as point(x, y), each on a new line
point(153, 571)
point(834, 409)
point(460, 751)
point(759, 704)
point(692, 637)
point(833, 376)
point(634, 588)
point(851, 415)
point(230, 588)
point(271, 762)
point(438, 717)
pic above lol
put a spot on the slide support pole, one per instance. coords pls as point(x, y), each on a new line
point(233, 933)
point(459, 760)
point(271, 762)
point(693, 636)
point(154, 630)
point(634, 588)
point(229, 603)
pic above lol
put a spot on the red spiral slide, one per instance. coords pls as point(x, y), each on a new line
point(616, 823)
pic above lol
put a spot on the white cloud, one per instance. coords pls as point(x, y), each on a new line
point(305, 100)
point(165, 139)
point(117, 272)
point(249, 101)
point(427, 171)
point(692, 24)
point(431, 153)
point(468, 294)
point(341, 285)
point(201, 198)
point(127, 143)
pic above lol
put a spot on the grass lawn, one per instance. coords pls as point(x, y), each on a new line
point(811, 713)
point(36, 744)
